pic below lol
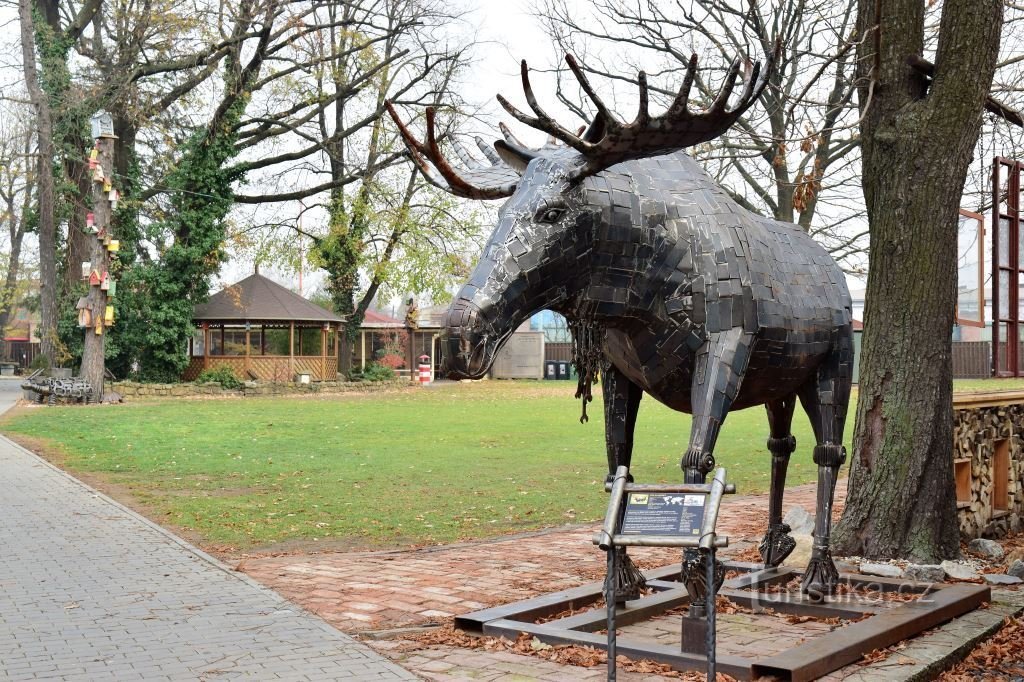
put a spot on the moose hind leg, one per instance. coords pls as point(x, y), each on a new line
point(777, 543)
point(825, 398)
point(621, 404)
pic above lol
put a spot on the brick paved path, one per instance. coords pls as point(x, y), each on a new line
point(358, 591)
point(90, 591)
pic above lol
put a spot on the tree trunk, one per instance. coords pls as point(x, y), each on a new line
point(917, 143)
point(94, 348)
point(47, 229)
point(11, 281)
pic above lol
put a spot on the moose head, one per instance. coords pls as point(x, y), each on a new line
point(554, 226)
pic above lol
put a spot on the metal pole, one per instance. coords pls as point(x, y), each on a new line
point(609, 603)
point(710, 605)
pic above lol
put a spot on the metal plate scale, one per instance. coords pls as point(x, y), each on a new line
point(878, 625)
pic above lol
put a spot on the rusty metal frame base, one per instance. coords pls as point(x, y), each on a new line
point(819, 656)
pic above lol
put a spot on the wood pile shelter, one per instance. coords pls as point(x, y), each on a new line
point(261, 330)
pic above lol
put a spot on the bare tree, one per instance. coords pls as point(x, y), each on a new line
point(18, 167)
point(47, 228)
point(796, 161)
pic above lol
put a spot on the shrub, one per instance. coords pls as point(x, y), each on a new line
point(373, 372)
point(220, 375)
point(39, 362)
point(390, 361)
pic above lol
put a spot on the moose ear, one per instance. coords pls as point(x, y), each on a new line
point(514, 157)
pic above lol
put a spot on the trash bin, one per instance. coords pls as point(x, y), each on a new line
point(563, 370)
point(550, 369)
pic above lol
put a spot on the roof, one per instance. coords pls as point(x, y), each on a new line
point(375, 318)
point(256, 299)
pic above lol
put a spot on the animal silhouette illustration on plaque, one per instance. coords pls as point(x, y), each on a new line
point(671, 288)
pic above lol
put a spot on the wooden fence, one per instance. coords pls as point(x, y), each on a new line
point(972, 359)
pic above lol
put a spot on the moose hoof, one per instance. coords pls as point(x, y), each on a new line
point(627, 581)
point(821, 577)
point(776, 545)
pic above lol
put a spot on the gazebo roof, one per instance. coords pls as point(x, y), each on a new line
point(257, 299)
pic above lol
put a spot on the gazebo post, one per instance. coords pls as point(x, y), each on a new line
point(323, 353)
point(248, 364)
point(206, 345)
point(291, 350)
point(362, 350)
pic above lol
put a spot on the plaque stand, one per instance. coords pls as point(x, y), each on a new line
point(665, 516)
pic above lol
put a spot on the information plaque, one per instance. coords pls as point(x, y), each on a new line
point(664, 514)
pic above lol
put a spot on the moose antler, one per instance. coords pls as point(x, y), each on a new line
point(609, 141)
point(477, 181)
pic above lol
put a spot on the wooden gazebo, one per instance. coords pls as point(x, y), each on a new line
point(261, 330)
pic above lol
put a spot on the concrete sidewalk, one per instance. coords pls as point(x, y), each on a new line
point(91, 591)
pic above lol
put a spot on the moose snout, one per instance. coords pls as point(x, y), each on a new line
point(464, 342)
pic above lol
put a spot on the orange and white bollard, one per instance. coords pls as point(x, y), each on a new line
point(424, 370)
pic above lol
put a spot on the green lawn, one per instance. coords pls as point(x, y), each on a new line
point(988, 384)
point(416, 466)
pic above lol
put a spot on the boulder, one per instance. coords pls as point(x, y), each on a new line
point(800, 522)
point(1000, 579)
point(924, 573)
point(1016, 569)
point(990, 549)
point(883, 570)
point(801, 554)
point(959, 570)
point(1015, 555)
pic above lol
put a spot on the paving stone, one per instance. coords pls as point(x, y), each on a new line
point(925, 573)
point(958, 570)
point(101, 593)
point(1000, 579)
point(882, 570)
point(1016, 569)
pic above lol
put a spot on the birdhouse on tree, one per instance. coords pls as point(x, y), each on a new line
point(84, 313)
point(102, 124)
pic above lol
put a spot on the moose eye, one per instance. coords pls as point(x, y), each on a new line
point(550, 215)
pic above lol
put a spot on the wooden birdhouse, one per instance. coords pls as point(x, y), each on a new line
point(112, 289)
point(108, 316)
point(84, 313)
point(94, 278)
point(102, 124)
point(107, 187)
point(94, 158)
point(97, 174)
point(90, 223)
point(113, 246)
point(105, 281)
point(86, 268)
point(98, 327)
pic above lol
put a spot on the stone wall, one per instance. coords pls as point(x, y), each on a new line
point(132, 391)
point(989, 463)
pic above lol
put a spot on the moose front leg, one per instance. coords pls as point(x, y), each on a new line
point(621, 404)
point(718, 371)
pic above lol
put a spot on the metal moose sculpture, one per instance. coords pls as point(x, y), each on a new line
point(679, 291)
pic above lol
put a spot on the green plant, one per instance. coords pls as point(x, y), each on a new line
point(220, 375)
point(372, 372)
point(39, 362)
